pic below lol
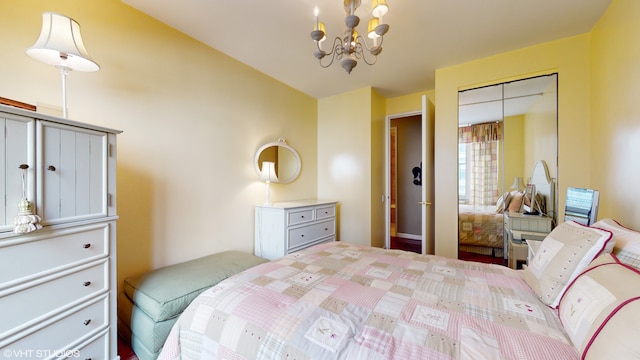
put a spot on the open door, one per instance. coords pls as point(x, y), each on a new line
point(409, 180)
point(428, 240)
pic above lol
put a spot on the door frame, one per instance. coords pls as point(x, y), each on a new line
point(426, 213)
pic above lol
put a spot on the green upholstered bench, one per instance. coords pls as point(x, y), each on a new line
point(152, 302)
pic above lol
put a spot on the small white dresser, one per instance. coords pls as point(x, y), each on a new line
point(57, 283)
point(283, 228)
point(520, 228)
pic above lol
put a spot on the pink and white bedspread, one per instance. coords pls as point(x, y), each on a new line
point(341, 301)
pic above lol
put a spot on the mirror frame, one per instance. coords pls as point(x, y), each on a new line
point(281, 142)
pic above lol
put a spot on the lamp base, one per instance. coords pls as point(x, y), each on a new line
point(64, 71)
point(268, 201)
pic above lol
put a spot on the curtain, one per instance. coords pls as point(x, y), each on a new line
point(482, 166)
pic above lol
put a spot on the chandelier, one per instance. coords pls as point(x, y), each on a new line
point(352, 46)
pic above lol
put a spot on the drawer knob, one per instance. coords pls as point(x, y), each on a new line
point(302, 216)
point(302, 235)
point(51, 168)
point(86, 283)
point(23, 166)
point(86, 246)
point(86, 322)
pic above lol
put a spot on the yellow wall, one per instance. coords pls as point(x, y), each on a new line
point(345, 131)
point(409, 103)
point(570, 58)
point(541, 133)
point(378, 109)
point(192, 119)
point(615, 119)
point(599, 130)
point(513, 149)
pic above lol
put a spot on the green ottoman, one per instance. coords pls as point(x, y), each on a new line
point(152, 302)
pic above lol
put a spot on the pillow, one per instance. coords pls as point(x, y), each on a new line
point(601, 310)
point(541, 203)
point(500, 203)
point(563, 254)
point(503, 202)
point(626, 242)
point(516, 201)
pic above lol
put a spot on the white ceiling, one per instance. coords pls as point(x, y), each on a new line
point(495, 102)
point(273, 36)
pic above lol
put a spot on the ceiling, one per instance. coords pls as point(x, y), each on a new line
point(274, 36)
point(495, 102)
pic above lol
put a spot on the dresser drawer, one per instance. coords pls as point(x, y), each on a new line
point(300, 216)
point(35, 255)
point(533, 223)
point(325, 212)
point(69, 329)
point(283, 228)
point(94, 350)
point(308, 234)
point(33, 300)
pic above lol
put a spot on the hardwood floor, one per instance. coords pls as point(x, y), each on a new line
point(415, 246)
point(481, 258)
point(125, 351)
point(406, 244)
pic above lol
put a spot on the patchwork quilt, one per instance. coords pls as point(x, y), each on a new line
point(342, 301)
point(480, 226)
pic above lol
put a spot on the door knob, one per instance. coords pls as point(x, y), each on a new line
point(424, 202)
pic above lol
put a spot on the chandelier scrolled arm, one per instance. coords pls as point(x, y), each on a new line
point(336, 52)
point(353, 46)
point(374, 50)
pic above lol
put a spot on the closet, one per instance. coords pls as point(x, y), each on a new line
point(503, 131)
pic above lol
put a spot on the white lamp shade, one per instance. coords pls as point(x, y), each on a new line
point(517, 183)
point(268, 172)
point(60, 44)
point(371, 28)
point(379, 8)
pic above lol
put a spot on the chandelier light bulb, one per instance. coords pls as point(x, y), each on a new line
point(379, 8)
point(352, 46)
point(316, 11)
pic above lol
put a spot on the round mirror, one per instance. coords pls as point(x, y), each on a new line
point(285, 159)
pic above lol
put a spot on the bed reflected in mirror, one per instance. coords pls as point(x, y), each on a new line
point(503, 131)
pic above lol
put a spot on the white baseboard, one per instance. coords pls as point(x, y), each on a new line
point(409, 236)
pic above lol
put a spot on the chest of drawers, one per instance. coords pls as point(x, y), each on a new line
point(57, 281)
point(283, 228)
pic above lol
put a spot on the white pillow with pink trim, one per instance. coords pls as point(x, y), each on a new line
point(626, 241)
point(562, 256)
point(600, 310)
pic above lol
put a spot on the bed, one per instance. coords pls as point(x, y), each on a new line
point(481, 228)
point(343, 301)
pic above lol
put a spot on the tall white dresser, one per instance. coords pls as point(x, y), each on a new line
point(286, 227)
point(57, 283)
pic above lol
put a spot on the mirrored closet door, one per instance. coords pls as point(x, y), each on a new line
point(503, 131)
